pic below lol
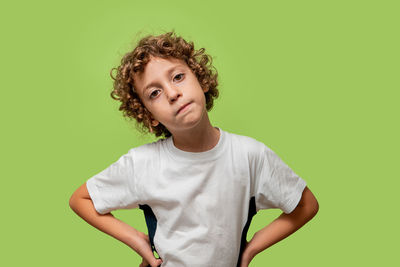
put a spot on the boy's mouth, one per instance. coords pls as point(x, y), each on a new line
point(182, 107)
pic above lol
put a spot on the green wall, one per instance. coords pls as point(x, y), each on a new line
point(317, 81)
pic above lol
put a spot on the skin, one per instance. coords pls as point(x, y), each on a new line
point(191, 131)
point(281, 227)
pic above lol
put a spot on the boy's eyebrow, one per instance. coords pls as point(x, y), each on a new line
point(168, 72)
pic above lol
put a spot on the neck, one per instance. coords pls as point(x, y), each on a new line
point(201, 138)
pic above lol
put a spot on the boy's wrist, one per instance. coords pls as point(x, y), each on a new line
point(246, 259)
point(133, 239)
point(249, 253)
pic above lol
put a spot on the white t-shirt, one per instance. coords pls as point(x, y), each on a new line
point(200, 199)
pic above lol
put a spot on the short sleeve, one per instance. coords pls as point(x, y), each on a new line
point(276, 184)
point(115, 187)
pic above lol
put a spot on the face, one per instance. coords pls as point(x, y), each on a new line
point(171, 92)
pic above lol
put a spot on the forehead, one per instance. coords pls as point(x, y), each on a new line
point(164, 62)
point(156, 69)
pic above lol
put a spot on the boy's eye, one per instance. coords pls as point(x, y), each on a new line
point(179, 76)
point(152, 95)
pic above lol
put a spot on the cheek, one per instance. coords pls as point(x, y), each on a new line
point(151, 108)
point(146, 106)
point(158, 110)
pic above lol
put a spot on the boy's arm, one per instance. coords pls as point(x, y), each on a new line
point(281, 227)
point(81, 203)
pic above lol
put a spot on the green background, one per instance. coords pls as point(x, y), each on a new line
point(317, 81)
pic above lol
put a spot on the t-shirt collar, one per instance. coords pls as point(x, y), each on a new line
point(211, 154)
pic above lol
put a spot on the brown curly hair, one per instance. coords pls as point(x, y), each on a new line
point(167, 45)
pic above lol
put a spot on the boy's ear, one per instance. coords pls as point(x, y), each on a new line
point(205, 90)
point(154, 122)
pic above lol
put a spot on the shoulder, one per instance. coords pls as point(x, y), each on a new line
point(248, 152)
point(148, 147)
point(146, 152)
point(249, 144)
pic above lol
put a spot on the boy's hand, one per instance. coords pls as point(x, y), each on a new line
point(143, 248)
point(246, 258)
point(146, 264)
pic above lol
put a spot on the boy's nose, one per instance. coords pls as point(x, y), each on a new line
point(173, 93)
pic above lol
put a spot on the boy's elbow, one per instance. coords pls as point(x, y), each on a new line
point(315, 208)
point(309, 203)
point(72, 201)
point(80, 193)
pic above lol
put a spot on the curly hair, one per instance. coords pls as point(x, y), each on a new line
point(167, 45)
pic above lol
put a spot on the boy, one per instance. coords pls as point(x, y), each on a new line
point(200, 186)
